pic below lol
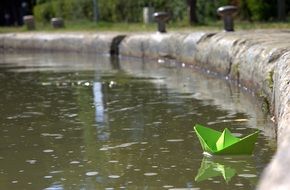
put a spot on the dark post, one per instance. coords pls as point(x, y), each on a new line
point(161, 18)
point(192, 11)
point(227, 13)
point(57, 23)
point(281, 10)
point(29, 22)
point(96, 10)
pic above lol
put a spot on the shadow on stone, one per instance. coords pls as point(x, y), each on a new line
point(114, 50)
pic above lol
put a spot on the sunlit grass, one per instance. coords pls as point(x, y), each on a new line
point(90, 26)
point(262, 25)
point(11, 29)
point(87, 26)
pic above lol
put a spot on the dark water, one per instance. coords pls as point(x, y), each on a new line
point(86, 122)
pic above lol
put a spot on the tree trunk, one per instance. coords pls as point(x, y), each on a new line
point(192, 11)
point(95, 10)
point(281, 10)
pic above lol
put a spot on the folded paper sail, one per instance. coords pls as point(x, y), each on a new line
point(210, 169)
point(224, 143)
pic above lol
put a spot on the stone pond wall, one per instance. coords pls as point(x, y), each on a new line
point(65, 42)
point(258, 60)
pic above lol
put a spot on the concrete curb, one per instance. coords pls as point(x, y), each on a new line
point(258, 60)
point(62, 42)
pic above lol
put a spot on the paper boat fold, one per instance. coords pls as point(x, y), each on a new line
point(224, 143)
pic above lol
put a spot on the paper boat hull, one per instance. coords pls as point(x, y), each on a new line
point(245, 146)
point(208, 138)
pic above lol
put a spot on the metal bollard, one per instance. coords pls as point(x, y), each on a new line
point(161, 18)
point(227, 13)
point(57, 23)
point(28, 20)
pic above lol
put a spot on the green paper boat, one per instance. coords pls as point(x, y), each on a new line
point(215, 142)
point(210, 169)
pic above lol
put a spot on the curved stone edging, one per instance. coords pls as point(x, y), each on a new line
point(276, 176)
point(66, 42)
point(258, 60)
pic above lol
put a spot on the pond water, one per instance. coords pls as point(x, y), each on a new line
point(73, 121)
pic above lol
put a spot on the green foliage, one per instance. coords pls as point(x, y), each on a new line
point(132, 10)
point(43, 12)
point(262, 9)
point(67, 9)
point(206, 11)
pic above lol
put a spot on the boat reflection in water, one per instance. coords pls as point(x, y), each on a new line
point(227, 168)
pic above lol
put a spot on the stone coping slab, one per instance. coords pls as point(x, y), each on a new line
point(60, 42)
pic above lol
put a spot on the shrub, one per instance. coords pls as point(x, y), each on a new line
point(131, 10)
point(43, 12)
point(262, 10)
point(67, 9)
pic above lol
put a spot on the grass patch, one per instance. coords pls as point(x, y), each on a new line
point(140, 27)
point(12, 29)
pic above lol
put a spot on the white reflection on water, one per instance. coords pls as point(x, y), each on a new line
point(114, 176)
point(55, 187)
point(98, 101)
point(175, 140)
point(150, 174)
point(100, 111)
point(247, 175)
point(92, 173)
point(124, 145)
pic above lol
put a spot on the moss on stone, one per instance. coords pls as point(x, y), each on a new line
point(270, 79)
point(236, 71)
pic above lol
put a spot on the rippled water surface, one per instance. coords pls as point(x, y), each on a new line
point(92, 122)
